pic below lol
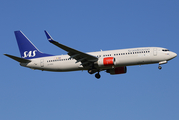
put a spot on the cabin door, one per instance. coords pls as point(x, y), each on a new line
point(155, 51)
point(42, 63)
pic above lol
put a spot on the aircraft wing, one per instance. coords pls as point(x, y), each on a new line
point(78, 55)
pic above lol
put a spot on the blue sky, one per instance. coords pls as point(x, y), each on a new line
point(143, 93)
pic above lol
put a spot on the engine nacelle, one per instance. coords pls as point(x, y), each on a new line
point(108, 61)
point(117, 70)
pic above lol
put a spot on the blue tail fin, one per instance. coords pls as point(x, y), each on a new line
point(27, 48)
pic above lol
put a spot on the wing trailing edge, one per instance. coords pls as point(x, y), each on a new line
point(76, 54)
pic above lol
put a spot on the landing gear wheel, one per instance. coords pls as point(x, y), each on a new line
point(159, 67)
point(90, 71)
point(97, 75)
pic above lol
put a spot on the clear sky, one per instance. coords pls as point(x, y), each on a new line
point(143, 93)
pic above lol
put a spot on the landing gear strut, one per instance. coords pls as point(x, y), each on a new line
point(97, 75)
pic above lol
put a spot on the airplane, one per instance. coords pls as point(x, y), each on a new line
point(112, 61)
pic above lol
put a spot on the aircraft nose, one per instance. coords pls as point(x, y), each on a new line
point(174, 54)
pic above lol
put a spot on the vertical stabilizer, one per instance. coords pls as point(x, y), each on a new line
point(27, 48)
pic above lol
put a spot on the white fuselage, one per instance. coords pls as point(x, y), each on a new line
point(123, 57)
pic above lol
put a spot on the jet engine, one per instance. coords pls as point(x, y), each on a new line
point(108, 61)
point(117, 70)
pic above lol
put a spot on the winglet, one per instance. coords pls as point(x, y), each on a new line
point(50, 39)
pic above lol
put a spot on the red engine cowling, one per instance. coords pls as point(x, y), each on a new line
point(117, 70)
point(108, 61)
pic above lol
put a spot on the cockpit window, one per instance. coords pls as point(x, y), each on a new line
point(165, 50)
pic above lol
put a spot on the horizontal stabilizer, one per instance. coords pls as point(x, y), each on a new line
point(18, 59)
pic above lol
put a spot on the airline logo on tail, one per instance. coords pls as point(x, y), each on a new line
point(29, 54)
point(27, 48)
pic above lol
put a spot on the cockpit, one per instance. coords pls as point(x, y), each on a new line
point(165, 50)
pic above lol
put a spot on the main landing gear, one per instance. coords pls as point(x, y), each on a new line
point(97, 75)
point(92, 71)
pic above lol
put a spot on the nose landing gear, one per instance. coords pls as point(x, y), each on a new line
point(160, 63)
point(159, 67)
